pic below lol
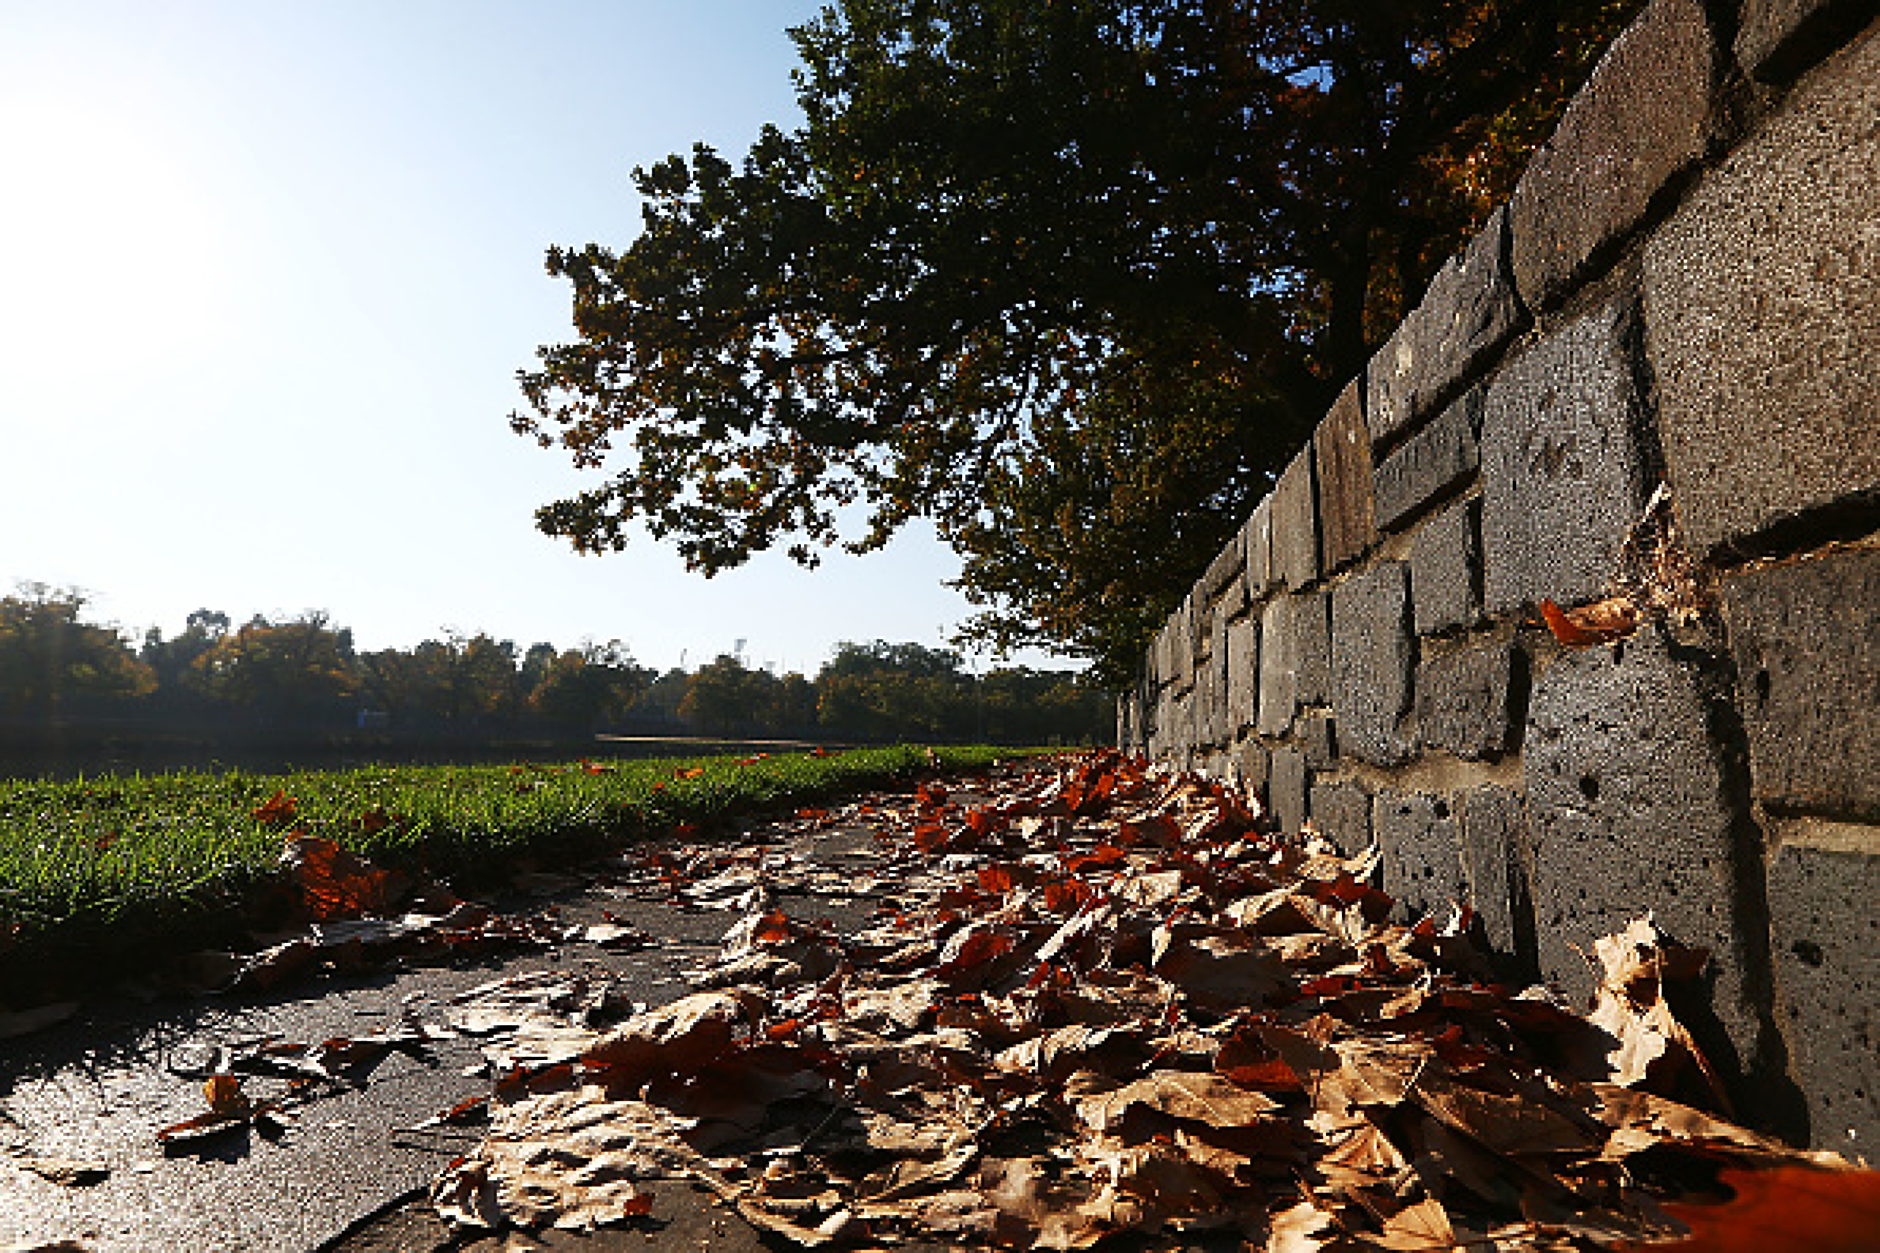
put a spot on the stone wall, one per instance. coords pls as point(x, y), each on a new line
point(1683, 290)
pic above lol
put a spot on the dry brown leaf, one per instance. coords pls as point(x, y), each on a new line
point(676, 1038)
point(1202, 1098)
point(68, 1172)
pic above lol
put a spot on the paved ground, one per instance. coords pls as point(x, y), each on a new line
point(344, 1172)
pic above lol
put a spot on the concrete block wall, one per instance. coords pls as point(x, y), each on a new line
point(1683, 290)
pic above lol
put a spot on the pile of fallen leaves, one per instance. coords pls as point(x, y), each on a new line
point(1107, 1004)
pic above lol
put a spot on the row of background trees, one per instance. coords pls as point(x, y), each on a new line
point(304, 676)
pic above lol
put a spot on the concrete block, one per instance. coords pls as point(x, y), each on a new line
point(1778, 39)
point(1563, 476)
point(1446, 570)
point(1243, 673)
point(1295, 659)
point(1342, 813)
point(1422, 843)
point(1825, 938)
point(1255, 763)
point(1295, 523)
point(1373, 655)
point(1806, 639)
point(1494, 835)
point(1181, 725)
point(1630, 808)
point(1279, 668)
point(1318, 740)
point(1469, 313)
point(1470, 696)
point(1218, 731)
point(1431, 463)
point(1647, 114)
point(1762, 315)
point(1257, 536)
point(1181, 646)
point(1341, 448)
point(1228, 564)
point(1312, 647)
point(1286, 788)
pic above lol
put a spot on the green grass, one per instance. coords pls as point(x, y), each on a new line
point(108, 867)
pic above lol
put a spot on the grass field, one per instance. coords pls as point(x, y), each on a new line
point(117, 863)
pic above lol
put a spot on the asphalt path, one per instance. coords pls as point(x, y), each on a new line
point(348, 1169)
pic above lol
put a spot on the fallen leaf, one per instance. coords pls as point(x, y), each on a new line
point(1787, 1209)
point(1599, 623)
point(66, 1171)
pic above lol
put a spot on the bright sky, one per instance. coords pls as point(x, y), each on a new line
point(268, 269)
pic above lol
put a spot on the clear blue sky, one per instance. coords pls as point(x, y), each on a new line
point(268, 269)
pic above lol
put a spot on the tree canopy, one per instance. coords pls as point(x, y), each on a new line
point(1069, 277)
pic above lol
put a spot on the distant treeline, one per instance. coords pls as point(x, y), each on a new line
point(303, 677)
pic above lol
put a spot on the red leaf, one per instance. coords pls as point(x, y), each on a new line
point(1598, 623)
point(1787, 1209)
point(277, 809)
point(334, 883)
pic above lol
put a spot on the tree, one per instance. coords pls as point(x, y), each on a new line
point(725, 696)
point(48, 656)
point(454, 680)
point(173, 660)
point(893, 691)
point(298, 668)
point(589, 684)
point(1039, 271)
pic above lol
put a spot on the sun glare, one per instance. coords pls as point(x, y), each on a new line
point(110, 264)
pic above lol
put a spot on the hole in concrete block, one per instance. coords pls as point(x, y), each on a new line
point(1809, 952)
point(1761, 683)
point(1442, 809)
point(1589, 787)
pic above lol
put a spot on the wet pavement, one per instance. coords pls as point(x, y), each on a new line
point(347, 1169)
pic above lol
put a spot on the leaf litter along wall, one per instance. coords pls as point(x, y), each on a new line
point(1597, 538)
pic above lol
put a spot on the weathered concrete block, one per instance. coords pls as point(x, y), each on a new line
point(1468, 314)
point(1254, 762)
point(1318, 741)
point(1446, 570)
point(1469, 696)
point(1228, 564)
point(1807, 644)
point(1295, 523)
point(1295, 659)
point(1422, 843)
point(1630, 809)
point(1826, 948)
point(1243, 673)
point(1342, 813)
point(1279, 668)
point(1647, 114)
point(1210, 697)
point(1762, 314)
point(1257, 536)
point(1342, 449)
point(1437, 459)
point(1181, 724)
point(1563, 478)
point(1373, 655)
point(1778, 39)
point(1494, 833)
point(1286, 788)
point(1312, 646)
